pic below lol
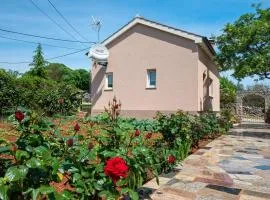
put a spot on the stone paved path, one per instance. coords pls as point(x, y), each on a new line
point(235, 166)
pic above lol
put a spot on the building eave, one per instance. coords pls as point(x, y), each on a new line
point(149, 23)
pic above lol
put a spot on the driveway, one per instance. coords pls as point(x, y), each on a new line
point(234, 166)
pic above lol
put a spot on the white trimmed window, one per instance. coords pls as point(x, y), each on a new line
point(151, 78)
point(211, 87)
point(109, 81)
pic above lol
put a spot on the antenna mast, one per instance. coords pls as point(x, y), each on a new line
point(96, 25)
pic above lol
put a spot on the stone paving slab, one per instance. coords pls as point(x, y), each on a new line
point(231, 167)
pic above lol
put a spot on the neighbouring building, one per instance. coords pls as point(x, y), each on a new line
point(154, 67)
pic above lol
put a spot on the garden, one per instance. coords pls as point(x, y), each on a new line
point(101, 157)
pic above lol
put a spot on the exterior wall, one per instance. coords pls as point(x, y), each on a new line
point(140, 48)
point(206, 65)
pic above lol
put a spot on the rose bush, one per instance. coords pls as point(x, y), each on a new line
point(114, 158)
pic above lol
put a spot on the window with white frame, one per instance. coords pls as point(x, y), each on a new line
point(151, 78)
point(109, 80)
point(211, 89)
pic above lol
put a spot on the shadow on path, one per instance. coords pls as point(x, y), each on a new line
point(249, 129)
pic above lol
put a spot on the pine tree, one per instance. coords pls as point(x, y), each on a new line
point(39, 63)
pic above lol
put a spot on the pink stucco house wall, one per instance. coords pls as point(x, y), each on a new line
point(154, 67)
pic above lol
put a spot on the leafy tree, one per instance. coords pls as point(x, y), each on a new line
point(245, 45)
point(80, 78)
point(240, 86)
point(227, 92)
point(39, 63)
point(58, 72)
point(9, 94)
point(14, 73)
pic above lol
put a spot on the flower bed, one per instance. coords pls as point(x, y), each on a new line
point(110, 161)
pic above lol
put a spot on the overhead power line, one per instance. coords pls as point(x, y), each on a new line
point(71, 53)
point(59, 26)
point(44, 37)
point(67, 22)
point(52, 58)
point(31, 42)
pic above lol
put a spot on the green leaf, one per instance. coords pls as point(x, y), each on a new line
point(121, 182)
point(76, 177)
point(44, 189)
point(33, 163)
point(124, 190)
point(98, 186)
point(35, 194)
point(16, 173)
point(3, 192)
point(108, 154)
point(29, 148)
point(133, 195)
point(4, 149)
point(66, 195)
point(79, 190)
point(20, 155)
point(41, 151)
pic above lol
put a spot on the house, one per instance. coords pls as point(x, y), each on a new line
point(154, 67)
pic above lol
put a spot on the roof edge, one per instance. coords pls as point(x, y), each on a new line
point(169, 29)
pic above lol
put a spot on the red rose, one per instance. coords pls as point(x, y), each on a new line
point(61, 101)
point(116, 168)
point(148, 135)
point(70, 142)
point(171, 159)
point(77, 127)
point(13, 148)
point(19, 116)
point(137, 133)
point(90, 146)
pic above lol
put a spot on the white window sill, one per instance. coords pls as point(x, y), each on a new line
point(151, 87)
point(108, 89)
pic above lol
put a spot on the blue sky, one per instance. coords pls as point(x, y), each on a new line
point(204, 17)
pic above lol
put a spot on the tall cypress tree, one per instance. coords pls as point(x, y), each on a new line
point(38, 63)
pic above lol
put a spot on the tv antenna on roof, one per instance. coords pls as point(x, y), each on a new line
point(98, 52)
point(96, 25)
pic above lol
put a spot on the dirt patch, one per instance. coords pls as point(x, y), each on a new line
point(203, 143)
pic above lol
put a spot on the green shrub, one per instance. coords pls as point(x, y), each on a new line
point(174, 127)
point(39, 94)
point(9, 94)
point(210, 124)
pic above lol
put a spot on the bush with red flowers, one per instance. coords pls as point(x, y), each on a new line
point(115, 158)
